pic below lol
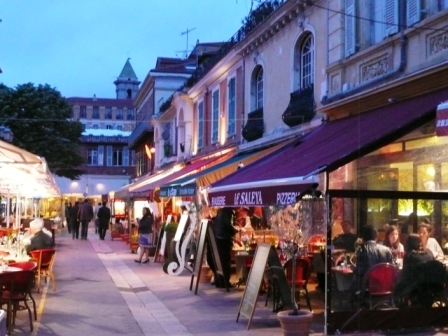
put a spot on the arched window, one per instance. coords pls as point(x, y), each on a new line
point(259, 89)
point(307, 61)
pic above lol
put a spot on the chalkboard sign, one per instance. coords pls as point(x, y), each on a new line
point(250, 296)
point(199, 257)
point(215, 254)
point(265, 255)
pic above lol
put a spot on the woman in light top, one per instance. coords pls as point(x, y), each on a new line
point(424, 231)
point(392, 241)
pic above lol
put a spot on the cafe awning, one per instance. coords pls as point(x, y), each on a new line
point(178, 171)
point(333, 144)
point(187, 186)
point(24, 173)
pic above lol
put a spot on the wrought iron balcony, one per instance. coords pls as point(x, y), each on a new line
point(254, 127)
point(301, 108)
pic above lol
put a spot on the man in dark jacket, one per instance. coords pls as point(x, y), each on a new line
point(39, 239)
point(74, 221)
point(224, 233)
point(103, 220)
point(85, 215)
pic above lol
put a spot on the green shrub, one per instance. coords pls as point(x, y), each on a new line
point(170, 227)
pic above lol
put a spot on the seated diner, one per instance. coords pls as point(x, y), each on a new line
point(39, 239)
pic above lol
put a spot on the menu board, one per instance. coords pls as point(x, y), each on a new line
point(250, 296)
point(198, 259)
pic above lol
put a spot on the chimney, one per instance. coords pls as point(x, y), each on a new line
point(94, 97)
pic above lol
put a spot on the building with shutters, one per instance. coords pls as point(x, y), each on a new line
point(107, 125)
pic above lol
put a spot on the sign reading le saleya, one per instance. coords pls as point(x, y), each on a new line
point(281, 195)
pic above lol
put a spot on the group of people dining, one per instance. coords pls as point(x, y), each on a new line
point(419, 259)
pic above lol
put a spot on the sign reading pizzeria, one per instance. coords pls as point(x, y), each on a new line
point(260, 196)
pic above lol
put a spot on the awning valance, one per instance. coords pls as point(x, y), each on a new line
point(337, 142)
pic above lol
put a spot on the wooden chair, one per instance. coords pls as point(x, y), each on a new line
point(379, 283)
point(28, 266)
point(45, 260)
point(16, 287)
point(303, 272)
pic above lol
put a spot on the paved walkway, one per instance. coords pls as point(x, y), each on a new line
point(102, 291)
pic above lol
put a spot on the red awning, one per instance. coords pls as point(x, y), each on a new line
point(184, 171)
point(335, 143)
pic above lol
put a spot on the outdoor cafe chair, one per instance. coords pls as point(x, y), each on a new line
point(45, 259)
point(303, 272)
point(15, 290)
point(379, 283)
point(27, 266)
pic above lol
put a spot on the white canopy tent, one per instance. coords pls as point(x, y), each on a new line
point(23, 174)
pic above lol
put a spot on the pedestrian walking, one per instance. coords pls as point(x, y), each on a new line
point(95, 216)
point(85, 215)
point(67, 209)
point(103, 220)
point(74, 221)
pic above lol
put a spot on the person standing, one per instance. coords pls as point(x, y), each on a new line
point(224, 233)
point(145, 235)
point(67, 209)
point(103, 220)
point(95, 216)
point(85, 215)
point(74, 222)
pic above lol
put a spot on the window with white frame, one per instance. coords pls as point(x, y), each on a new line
point(108, 113)
point(82, 111)
point(378, 22)
point(307, 64)
point(215, 116)
point(201, 125)
point(117, 157)
point(120, 114)
point(92, 157)
point(231, 107)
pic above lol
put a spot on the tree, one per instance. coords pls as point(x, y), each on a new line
point(38, 117)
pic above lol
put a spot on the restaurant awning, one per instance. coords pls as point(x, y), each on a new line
point(177, 172)
point(188, 185)
point(24, 173)
point(333, 144)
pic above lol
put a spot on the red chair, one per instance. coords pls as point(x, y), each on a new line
point(16, 287)
point(303, 272)
point(27, 266)
point(45, 260)
point(379, 283)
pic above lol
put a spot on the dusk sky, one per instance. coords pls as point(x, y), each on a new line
point(80, 46)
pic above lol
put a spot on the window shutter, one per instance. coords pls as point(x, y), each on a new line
point(231, 107)
point(350, 28)
point(125, 157)
point(100, 155)
point(109, 156)
point(445, 4)
point(201, 125)
point(215, 119)
point(391, 17)
point(413, 10)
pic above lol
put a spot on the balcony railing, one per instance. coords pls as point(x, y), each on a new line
point(252, 21)
point(254, 127)
point(301, 108)
point(140, 130)
point(104, 139)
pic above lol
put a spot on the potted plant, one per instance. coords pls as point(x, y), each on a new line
point(287, 223)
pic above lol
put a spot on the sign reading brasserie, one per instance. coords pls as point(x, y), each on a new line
point(281, 195)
